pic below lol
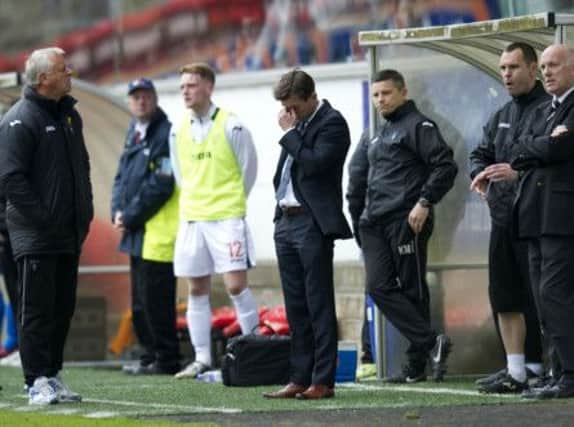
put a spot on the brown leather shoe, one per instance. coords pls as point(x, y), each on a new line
point(287, 392)
point(316, 391)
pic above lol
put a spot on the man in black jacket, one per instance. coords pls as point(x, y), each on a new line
point(308, 218)
point(544, 213)
point(45, 176)
point(144, 208)
point(493, 178)
point(394, 180)
point(9, 272)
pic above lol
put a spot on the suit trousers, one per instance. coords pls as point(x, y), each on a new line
point(305, 258)
point(47, 287)
point(153, 311)
point(552, 269)
point(395, 266)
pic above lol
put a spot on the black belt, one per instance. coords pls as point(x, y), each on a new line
point(292, 210)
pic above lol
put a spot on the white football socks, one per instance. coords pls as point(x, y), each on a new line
point(246, 309)
point(198, 317)
point(516, 367)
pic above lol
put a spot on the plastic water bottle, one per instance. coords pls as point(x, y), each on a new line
point(210, 377)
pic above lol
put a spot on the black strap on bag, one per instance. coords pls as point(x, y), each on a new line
point(252, 360)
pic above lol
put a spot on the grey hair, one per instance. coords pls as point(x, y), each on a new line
point(40, 61)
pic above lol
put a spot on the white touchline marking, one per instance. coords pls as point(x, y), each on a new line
point(101, 414)
point(194, 409)
point(64, 411)
point(28, 408)
point(378, 405)
point(434, 390)
point(162, 406)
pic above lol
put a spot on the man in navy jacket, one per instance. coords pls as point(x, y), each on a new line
point(144, 208)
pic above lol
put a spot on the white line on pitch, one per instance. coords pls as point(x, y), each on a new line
point(430, 390)
point(102, 414)
point(64, 411)
point(194, 409)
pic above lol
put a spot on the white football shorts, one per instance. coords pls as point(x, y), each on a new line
point(203, 248)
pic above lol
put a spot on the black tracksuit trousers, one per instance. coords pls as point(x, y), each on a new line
point(47, 297)
point(395, 264)
point(153, 312)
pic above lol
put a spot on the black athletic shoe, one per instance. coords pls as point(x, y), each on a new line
point(491, 378)
point(555, 390)
point(410, 374)
point(438, 356)
point(544, 383)
point(541, 382)
point(504, 385)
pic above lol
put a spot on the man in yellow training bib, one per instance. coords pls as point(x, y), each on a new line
point(215, 165)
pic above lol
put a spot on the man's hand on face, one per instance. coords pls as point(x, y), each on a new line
point(287, 119)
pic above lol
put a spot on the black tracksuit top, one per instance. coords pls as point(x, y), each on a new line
point(406, 160)
point(45, 175)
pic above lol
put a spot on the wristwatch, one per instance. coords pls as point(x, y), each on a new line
point(425, 203)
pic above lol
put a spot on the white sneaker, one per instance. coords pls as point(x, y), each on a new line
point(192, 370)
point(42, 392)
point(13, 360)
point(63, 391)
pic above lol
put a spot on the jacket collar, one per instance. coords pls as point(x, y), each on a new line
point(157, 117)
point(325, 106)
point(408, 107)
point(536, 92)
point(55, 108)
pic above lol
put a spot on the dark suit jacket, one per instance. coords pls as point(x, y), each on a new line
point(545, 199)
point(317, 170)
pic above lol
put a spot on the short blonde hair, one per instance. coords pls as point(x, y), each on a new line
point(201, 69)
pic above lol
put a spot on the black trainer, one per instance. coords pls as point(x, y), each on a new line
point(544, 383)
point(438, 356)
point(504, 385)
point(563, 388)
point(541, 382)
point(410, 374)
point(491, 378)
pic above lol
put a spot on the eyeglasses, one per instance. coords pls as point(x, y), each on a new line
point(66, 69)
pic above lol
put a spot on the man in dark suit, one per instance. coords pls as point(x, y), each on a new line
point(544, 214)
point(308, 218)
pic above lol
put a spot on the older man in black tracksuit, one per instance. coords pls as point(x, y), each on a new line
point(7, 263)
point(45, 176)
point(144, 208)
point(394, 180)
point(509, 285)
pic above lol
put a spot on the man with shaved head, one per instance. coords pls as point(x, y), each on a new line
point(543, 209)
point(494, 179)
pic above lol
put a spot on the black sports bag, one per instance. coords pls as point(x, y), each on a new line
point(252, 360)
